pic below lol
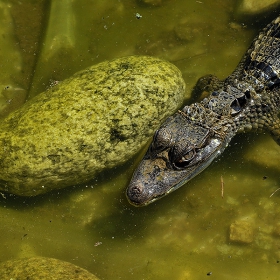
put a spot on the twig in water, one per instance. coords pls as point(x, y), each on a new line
point(274, 192)
point(222, 186)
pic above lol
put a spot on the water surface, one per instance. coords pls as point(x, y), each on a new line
point(185, 235)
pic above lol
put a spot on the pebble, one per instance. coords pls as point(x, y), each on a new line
point(253, 7)
point(241, 231)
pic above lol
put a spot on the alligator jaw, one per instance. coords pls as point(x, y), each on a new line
point(154, 179)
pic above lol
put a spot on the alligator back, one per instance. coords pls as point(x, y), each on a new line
point(260, 66)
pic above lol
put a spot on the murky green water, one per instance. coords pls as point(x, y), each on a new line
point(186, 235)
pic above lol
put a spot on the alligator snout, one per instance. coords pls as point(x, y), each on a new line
point(137, 194)
point(146, 185)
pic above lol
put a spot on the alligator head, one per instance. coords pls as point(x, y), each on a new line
point(181, 148)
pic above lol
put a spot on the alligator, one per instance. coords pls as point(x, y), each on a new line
point(188, 141)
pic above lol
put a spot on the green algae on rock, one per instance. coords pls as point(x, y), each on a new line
point(43, 268)
point(96, 119)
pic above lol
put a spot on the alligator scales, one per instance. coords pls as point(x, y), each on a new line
point(188, 141)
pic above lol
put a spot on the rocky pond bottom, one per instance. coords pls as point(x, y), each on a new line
point(196, 230)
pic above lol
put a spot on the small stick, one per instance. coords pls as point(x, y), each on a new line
point(222, 186)
point(274, 192)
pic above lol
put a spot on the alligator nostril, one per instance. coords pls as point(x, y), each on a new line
point(135, 194)
point(134, 191)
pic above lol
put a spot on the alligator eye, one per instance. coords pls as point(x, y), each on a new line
point(162, 140)
point(184, 161)
point(181, 155)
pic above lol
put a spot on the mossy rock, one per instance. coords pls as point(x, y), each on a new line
point(38, 268)
point(97, 119)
